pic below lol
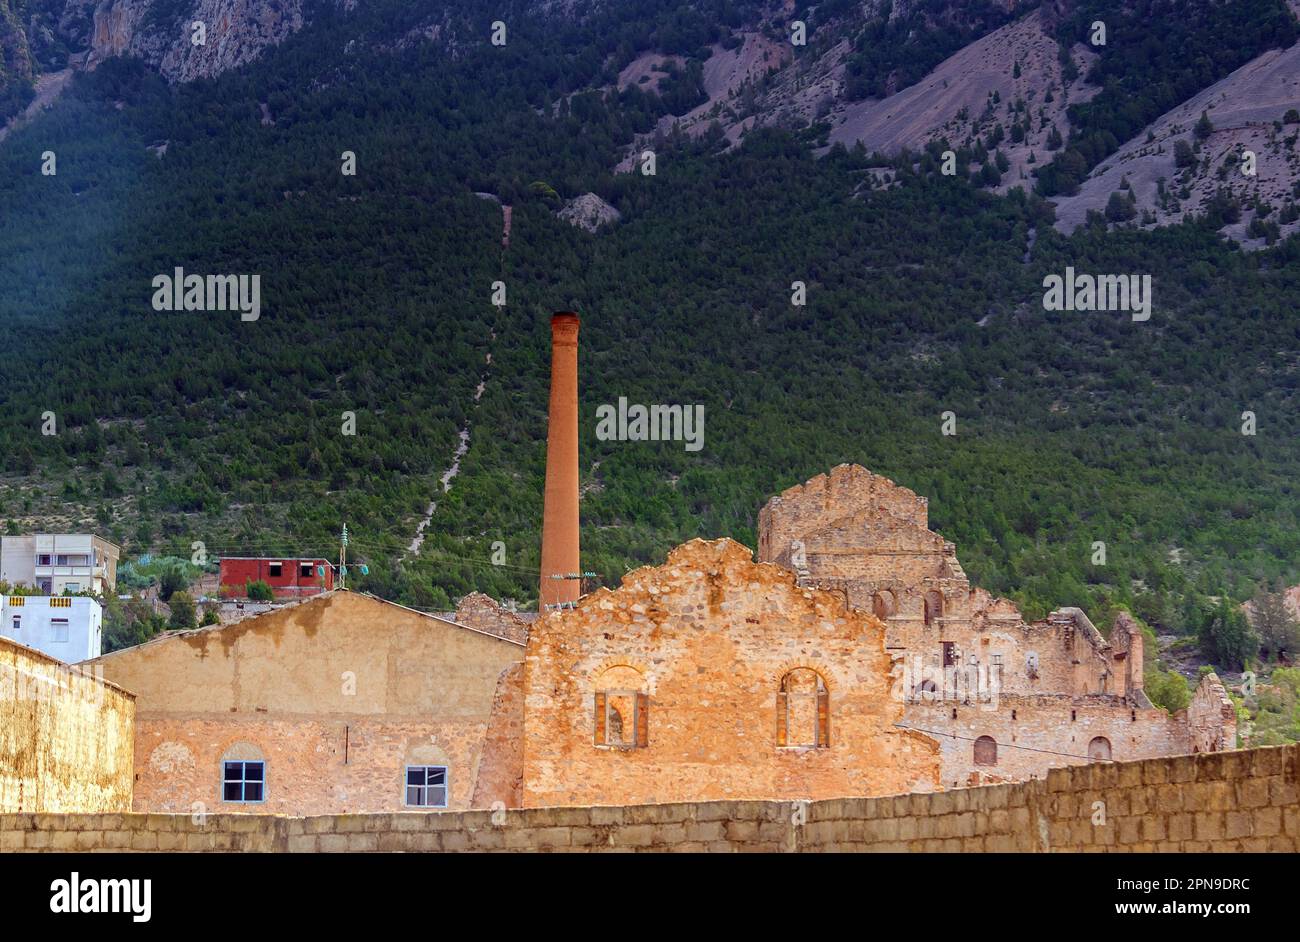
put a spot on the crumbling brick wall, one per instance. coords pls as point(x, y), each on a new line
point(1025, 736)
point(486, 614)
point(959, 650)
point(1211, 717)
point(66, 736)
point(500, 776)
point(707, 639)
point(867, 538)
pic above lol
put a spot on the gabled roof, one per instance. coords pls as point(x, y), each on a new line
point(243, 624)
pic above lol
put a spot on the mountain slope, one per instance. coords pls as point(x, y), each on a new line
point(1248, 111)
point(1010, 77)
point(923, 299)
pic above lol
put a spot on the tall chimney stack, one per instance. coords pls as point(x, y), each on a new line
point(560, 510)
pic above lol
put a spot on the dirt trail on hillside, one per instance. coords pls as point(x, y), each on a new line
point(48, 88)
point(449, 475)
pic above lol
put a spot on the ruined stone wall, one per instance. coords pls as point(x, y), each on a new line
point(858, 533)
point(862, 536)
point(707, 639)
point(827, 498)
point(65, 736)
point(1063, 654)
point(337, 695)
point(1231, 802)
point(501, 768)
point(1034, 734)
point(1211, 717)
point(486, 614)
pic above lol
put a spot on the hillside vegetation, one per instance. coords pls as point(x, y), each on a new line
point(922, 298)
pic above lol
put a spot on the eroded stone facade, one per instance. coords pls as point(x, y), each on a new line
point(1006, 698)
point(486, 614)
point(713, 677)
point(854, 659)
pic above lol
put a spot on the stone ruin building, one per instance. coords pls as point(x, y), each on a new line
point(1005, 698)
point(853, 658)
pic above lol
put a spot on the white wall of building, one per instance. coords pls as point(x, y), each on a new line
point(59, 562)
point(69, 628)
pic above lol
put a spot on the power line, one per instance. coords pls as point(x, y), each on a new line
point(1009, 745)
point(322, 551)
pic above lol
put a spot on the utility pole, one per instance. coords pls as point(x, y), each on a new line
point(343, 559)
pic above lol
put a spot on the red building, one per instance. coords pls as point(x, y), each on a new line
point(288, 578)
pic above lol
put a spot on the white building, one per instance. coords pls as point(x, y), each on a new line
point(67, 627)
point(55, 563)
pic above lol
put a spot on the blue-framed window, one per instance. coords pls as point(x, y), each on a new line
point(243, 781)
point(426, 786)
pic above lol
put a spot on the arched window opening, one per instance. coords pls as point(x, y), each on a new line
point(986, 751)
point(884, 604)
point(933, 606)
point(622, 709)
point(1099, 749)
point(803, 710)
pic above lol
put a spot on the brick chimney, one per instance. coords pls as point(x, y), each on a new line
point(560, 510)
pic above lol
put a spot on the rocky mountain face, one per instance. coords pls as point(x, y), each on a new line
point(63, 33)
point(232, 32)
point(588, 211)
point(1008, 92)
point(890, 76)
point(15, 60)
point(1244, 151)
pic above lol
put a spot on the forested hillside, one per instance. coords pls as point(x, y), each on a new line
point(923, 298)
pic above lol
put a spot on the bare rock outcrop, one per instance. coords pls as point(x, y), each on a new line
point(234, 32)
point(589, 211)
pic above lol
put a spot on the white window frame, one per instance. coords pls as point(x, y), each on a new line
point(59, 630)
point(424, 791)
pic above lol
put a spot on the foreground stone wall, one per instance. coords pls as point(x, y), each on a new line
point(1241, 801)
point(65, 736)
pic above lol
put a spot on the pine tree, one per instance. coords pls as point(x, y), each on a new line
point(1226, 636)
point(1277, 627)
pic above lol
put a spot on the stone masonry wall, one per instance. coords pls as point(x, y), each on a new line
point(1035, 734)
point(486, 614)
point(1211, 717)
point(862, 536)
point(1231, 802)
point(65, 736)
point(693, 654)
